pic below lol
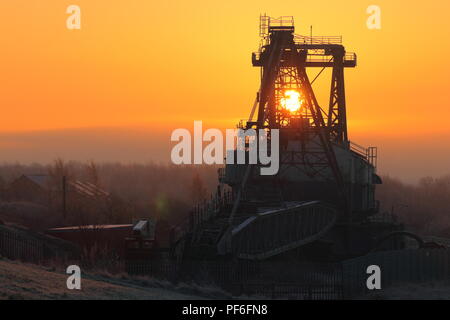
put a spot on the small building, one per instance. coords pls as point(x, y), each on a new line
point(103, 237)
point(44, 190)
point(67, 196)
point(118, 238)
point(34, 188)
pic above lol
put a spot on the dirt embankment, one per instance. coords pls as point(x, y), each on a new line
point(26, 281)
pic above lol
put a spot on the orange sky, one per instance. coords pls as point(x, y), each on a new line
point(162, 64)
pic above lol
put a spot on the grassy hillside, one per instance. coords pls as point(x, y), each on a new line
point(26, 281)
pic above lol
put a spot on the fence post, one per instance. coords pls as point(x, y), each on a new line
point(273, 290)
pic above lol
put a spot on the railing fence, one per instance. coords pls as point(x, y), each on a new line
point(397, 267)
point(16, 247)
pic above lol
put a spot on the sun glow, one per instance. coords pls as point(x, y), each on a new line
point(291, 101)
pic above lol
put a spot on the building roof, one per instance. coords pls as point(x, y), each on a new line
point(84, 188)
point(40, 179)
point(88, 189)
point(93, 227)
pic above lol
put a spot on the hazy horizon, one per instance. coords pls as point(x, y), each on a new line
point(401, 156)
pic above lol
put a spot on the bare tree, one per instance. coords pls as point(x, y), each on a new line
point(198, 190)
point(92, 173)
point(60, 169)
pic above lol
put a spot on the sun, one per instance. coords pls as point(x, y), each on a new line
point(291, 101)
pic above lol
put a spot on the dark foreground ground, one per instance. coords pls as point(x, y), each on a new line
point(425, 291)
point(27, 281)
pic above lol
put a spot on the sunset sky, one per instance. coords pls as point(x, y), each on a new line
point(138, 69)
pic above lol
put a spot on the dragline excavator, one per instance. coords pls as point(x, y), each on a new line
point(320, 204)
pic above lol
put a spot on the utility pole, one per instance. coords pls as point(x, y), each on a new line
point(64, 184)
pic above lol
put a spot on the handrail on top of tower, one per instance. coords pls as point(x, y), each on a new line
point(349, 56)
point(299, 39)
point(283, 21)
point(266, 23)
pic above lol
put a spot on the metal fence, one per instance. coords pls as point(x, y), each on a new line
point(266, 279)
point(16, 247)
point(397, 267)
point(292, 290)
point(312, 281)
point(272, 279)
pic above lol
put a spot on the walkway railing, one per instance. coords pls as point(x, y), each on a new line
point(299, 39)
point(203, 212)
